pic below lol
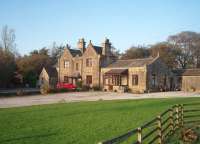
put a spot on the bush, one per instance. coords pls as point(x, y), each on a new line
point(19, 92)
point(44, 89)
point(63, 90)
point(85, 88)
point(79, 84)
point(96, 88)
point(192, 88)
point(58, 90)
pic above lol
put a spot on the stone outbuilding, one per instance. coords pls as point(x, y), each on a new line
point(48, 77)
point(191, 80)
point(137, 76)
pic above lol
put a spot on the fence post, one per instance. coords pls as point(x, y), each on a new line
point(177, 115)
point(171, 120)
point(139, 135)
point(182, 120)
point(159, 130)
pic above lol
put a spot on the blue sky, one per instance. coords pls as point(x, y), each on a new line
point(39, 23)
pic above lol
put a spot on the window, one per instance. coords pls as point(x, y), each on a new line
point(134, 79)
point(66, 64)
point(88, 79)
point(66, 79)
point(180, 80)
point(116, 80)
point(154, 80)
point(165, 80)
point(77, 66)
point(88, 62)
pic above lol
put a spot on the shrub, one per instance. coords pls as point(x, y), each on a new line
point(79, 84)
point(44, 89)
point(19, 92)
point(96, 88)
point(63, 90)
point(58, 90)
point(85, 88)
point(192, 88)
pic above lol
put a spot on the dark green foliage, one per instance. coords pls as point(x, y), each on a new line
point(85, 88)
point(7, 67)
point(96, 88)
point(31, 66)
point(79, 84)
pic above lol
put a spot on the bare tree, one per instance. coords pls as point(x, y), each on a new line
point(136, 52)
point(185, 44)
point(7, 56)
point(56, 51)
point(166, 52)
point(8, 39)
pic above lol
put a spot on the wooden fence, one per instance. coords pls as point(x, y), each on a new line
point(161, 127)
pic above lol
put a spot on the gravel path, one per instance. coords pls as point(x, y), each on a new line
point(6, 102)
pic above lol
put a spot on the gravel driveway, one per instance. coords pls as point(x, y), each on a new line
point(6, 102)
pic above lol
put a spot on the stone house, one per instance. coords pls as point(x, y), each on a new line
point(48, 77)
point(137, 75)
point(84, 63)
point(96, 66)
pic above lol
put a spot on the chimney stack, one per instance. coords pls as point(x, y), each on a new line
point(81, 45)
point(106, 47)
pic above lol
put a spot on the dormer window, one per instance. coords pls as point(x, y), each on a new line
point(66, 64)
point(88, 62)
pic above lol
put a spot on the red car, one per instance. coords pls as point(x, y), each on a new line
point(68, 86)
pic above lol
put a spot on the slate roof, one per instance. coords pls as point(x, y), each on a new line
point(117, 72)
point(75, 52)
point(187, 72)
point(191, 72)
point(131, 63)
point(52, 72)
point(178, 72)
point(98, 49)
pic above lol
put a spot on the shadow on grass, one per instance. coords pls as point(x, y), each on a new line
point(28, 137)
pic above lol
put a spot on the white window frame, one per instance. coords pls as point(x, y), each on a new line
point(89, 62)
point(66, 64)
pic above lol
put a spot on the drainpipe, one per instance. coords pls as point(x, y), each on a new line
point(59, 69)
point(99, 71)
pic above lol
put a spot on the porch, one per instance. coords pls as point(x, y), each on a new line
point(73, 78)
point(115, 80)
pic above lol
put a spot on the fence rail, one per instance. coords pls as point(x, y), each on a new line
point(158, 129)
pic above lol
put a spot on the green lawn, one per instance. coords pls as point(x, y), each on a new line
point(78, 123)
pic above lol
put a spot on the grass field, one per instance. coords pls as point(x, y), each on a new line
point(78, 123)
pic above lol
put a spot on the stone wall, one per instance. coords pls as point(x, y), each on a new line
point(141, 73)
point(77, 60)
point(66, 56)
point(94, 70)
point(161, 72)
